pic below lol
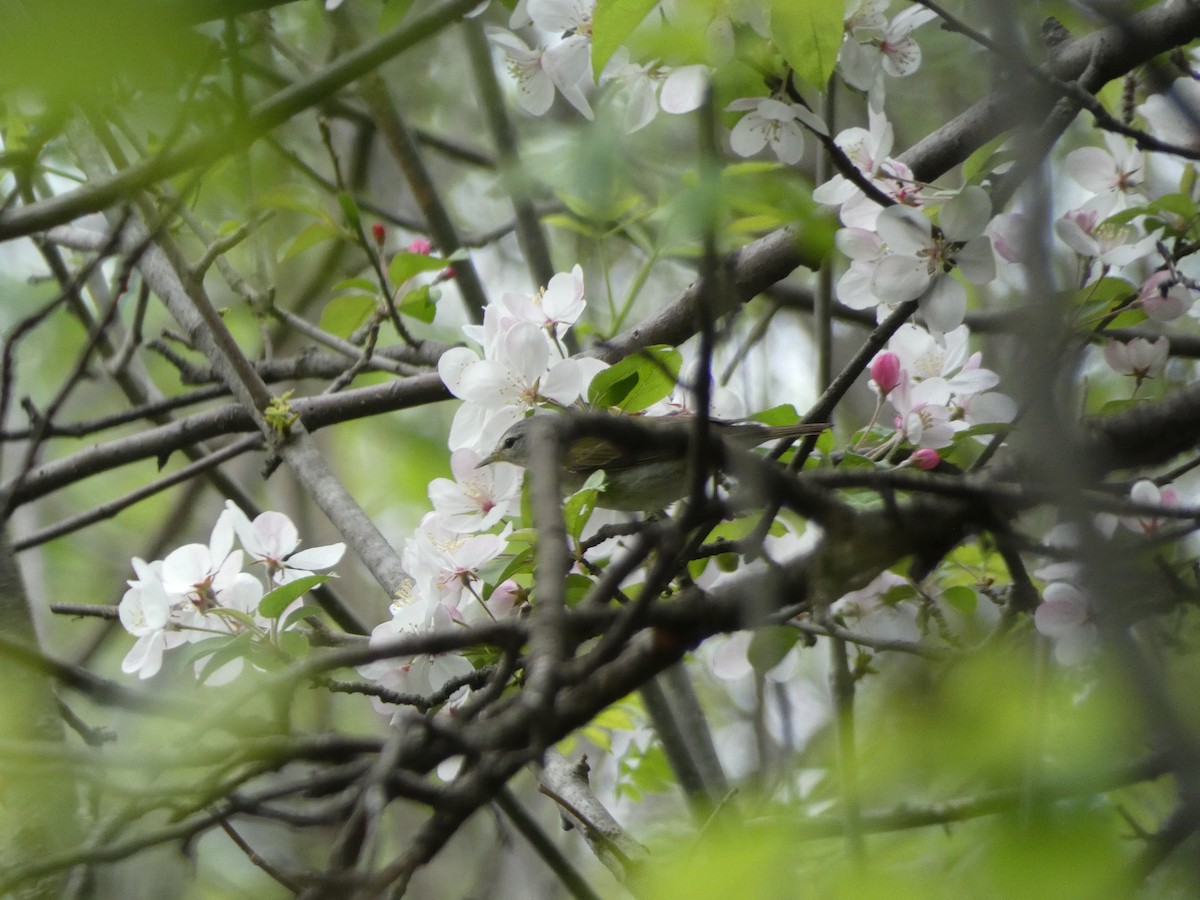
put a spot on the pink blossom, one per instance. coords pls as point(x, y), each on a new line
point(885, 372)
point(1064, 616)
point(1114, 175)
point(924, 415)
point(926, 458)
point(1138, 359)
point(1145, 491)
point(477, 498)
point(1163, 297)
point(1113, 245)
point(1173, 114)
point(774, 122)
point(919, 260)
point(272, 540)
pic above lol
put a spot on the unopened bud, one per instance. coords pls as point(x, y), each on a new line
point(885, 372)
point(926, 458)
point(379, 233)
point(421, 246)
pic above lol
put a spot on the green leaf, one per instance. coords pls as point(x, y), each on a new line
point(783, 414)
point(577, 588)
point(275, 602)
point(769, 646)
point(652, 774)
point(294, 197)
point(310, 236)
point(350, 210)
point(961, 598)
point(1112, 407)
point(393, 14)
point(826, 443)
point(578, 508)
point(224, 612)
point(1177, 211)
point(405, 265)
point(612, 22)
point(898, 594)
point(344, 314)
point(808, 33)
point(521, 564)
point(356, 285)
point(567, 223)
point(984, 161)
point(1187, 181)
point(294, 645)
point(421, 303)
point(232, 650)
point(852, 460)
point(301, 614)
point(637, 381)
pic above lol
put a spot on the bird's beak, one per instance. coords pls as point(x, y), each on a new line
point(487, 460)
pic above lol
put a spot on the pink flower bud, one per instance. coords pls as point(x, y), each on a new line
point(379, 233)
point(422, 246)
point(506, 598)
point(926, 458)
point(885, 372)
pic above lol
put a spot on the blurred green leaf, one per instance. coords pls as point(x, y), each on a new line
point(235, 648)
point(808, 33)
point(311, 235)
point(612, 22)
point(300, 614)
point(294, 197)
point(393, 14)
point(961, 598)
point(783, 414)
point(80, 50)
point(577, 588)
point(769, 646)
point(350, 210)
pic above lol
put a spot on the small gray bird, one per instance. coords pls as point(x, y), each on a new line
point(646, 471)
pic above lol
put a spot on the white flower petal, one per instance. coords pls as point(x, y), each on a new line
point(945, 305)
point(976, 261)
point(898, 278)
point(749, 135)
point(904, 229)
point(683, 90)
point(316, 558)
point(966, 215)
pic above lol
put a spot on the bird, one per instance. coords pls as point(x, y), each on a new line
point(645, 458)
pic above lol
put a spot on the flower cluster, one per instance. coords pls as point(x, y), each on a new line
point(873, 47)
point(868, 149)
point(201, 591)
point(1110, 233)
point(1066, 614)
point(565, 66)
point(937, 389)
point(522, 363)
point(904, 257)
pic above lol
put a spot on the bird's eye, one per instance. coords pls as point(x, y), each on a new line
point(510, 443)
